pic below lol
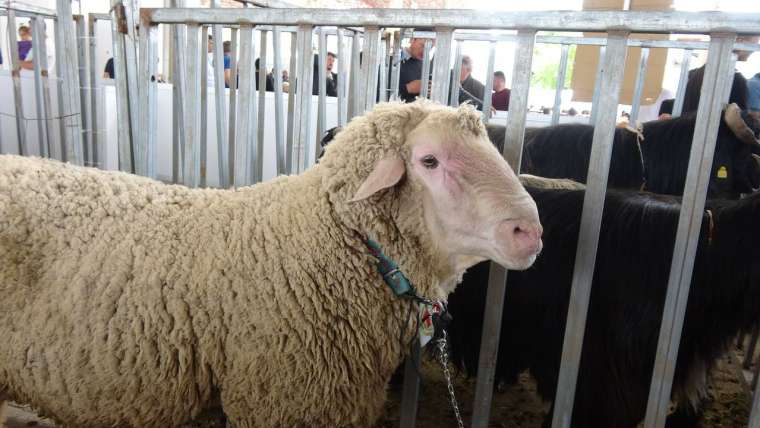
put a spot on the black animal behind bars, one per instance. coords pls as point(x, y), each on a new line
point(627, 299)
point(563, 151)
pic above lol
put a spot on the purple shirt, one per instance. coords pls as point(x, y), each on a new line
point(23, 49)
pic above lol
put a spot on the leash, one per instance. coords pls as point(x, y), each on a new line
point(432, 317)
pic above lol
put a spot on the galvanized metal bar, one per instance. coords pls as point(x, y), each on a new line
point(291, 102)
point(342, 80)
point(147, 156)
point(37, 40)
point(683, 79)
point(280, 149)
point(455, 83)
point(302, 114)
point(597, 86)
point(512, 152)
point(41, 34)
point(370, 64)
point(28, 11)
point(84, 87)
point(258, 153)
point(754, 417)
point(442, 66)
point(245, 126)
point(322, 86)
point(354, 106)
point(204, 103)
point(560, 84)
point(220, 109)
point(488, 94)
point(94, 92)
point(192, 165)
point(382, 90)
point(411, 389)
point(60, 147)
point(709, 117)
point(130, 49)
point(570, 21)
point(639, 86)
point(425, 78)
point(730, 82)
point(591, 220)
point(16, 77)
point(125, 129)
point(395, 65)
point(232, 133)
point(180, 95)
point(72, 109)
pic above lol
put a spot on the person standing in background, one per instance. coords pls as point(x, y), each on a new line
point(500, 97)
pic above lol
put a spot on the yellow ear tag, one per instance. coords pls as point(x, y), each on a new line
point(722, 172)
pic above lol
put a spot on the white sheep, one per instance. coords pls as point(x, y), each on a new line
point(128, 302)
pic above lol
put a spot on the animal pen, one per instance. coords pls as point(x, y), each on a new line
point(244, 148)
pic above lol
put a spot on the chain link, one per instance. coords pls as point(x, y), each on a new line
point(443, 358)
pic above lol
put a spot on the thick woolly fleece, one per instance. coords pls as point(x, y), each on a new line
point(128, 302)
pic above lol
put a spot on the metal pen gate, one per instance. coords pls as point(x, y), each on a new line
point(240, 146)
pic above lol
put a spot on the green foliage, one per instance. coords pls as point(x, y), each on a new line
point(546, 75)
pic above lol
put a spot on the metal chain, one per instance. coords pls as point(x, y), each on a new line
point(443, 358)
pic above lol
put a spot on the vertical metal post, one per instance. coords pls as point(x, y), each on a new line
point(639, 86)
point(354, 106)
point(425, 78)
point(16, 73)
point(411, 392)
point(709, 117)
point(560, 84)
point(488, 94)
point(94, 92)
point(302, 114)
point(683, 79)
point(40, 104)
point(192, 108)
point(60, 147)
point(233, 105)
point(591, 220)
point(489, 344)
point(754, 417)
point(81, 43)
point(322, 86)
point(123, 116)
point(442, 66)
point(396, 65)
point(455, 83)
point(220, 108)
point(278, 104)
point(291, 102)
point(204, 103)
point(258, 153)
point(342, 79)
point(146, 152)
point(597, 86)
point(370, 68)
point(45, 72)
point(245, 126)
point(382, 93)
point(72, 109)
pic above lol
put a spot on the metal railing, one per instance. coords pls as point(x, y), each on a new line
point(240, 143)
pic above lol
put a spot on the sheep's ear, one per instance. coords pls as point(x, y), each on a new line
point(387, 172)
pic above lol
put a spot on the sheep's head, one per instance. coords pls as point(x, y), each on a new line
point(434, 171)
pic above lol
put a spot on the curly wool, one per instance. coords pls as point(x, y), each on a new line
point(128, 302)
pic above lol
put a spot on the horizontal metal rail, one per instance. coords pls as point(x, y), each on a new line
point(632, 21)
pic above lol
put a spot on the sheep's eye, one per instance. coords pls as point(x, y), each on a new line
point(430, 162)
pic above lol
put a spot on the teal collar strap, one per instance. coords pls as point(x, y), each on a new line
point(392, 275)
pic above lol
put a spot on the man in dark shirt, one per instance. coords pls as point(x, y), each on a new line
point(331, 79)
point(500, 97)
point(108, 72)
point(470, 89)
point(410, 74)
